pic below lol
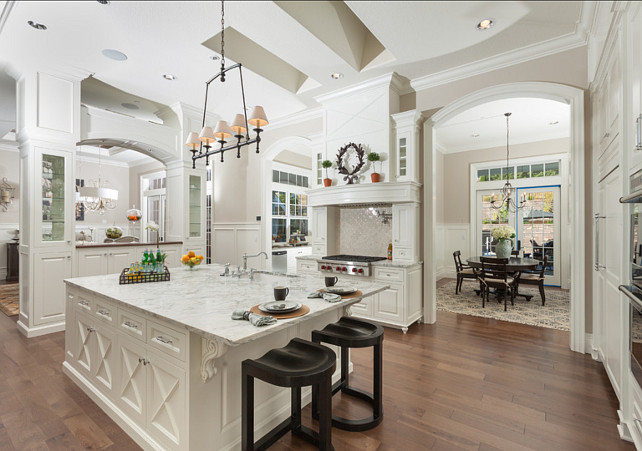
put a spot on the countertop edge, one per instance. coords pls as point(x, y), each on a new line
point(381, 264)
point(92, 246)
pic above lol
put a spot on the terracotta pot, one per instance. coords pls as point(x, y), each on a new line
point(375, 177)
point(327, 182)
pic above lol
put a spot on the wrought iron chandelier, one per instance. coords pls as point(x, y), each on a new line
point(223, 132)
point(98, 198)
point(507, 201)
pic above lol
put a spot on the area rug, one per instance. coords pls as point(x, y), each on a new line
point(554, 315)
point(10, 299)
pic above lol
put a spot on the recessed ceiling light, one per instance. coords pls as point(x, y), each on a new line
point(103, 2)
point(336, 75)
point(114, 55)
point(554, 123)
point(36, 25)
point(475, 135)
point(129, 106)
point(214, 57)
point(169, 77)
point(485, 24)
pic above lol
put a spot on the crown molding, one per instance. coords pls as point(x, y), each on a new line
point(301, 116)
point(577, 39)
point(392, 80)
point(9, 146)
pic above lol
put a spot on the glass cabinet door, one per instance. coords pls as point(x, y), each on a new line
point(194, 206)
point(53, 198)
point(403, 160)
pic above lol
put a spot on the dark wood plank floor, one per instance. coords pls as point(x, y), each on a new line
point(465, 383)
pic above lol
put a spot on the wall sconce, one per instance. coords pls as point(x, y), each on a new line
point(6, 194)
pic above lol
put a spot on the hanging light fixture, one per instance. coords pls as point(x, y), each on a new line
point(507, 201)
point(98, 198)
point(223, 132)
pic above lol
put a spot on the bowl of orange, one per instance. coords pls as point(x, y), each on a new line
point(191, 260)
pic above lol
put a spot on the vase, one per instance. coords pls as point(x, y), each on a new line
point(503, 248)
point(375, 177)
point(327, 182)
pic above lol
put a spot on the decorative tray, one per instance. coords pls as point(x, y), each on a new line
point(143, 277)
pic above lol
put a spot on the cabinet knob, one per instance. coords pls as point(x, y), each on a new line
point(91, 329)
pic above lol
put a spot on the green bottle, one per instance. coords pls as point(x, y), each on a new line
point(145, 261)
point(159, 261)
point(152, 262)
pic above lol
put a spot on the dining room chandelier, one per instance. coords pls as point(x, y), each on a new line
point(507, 202)
point(98, 198)
point(223, 132)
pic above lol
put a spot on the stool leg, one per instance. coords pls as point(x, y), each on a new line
point(378, 385)
point(325, 414)
point(345, 369)
point(247, 417)
point(295, 407)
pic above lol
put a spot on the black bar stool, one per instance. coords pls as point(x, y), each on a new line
point(352, 333)
point(298, 364)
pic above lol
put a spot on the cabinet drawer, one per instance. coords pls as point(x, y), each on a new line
point(132, 324)
point(393, 274)
point(307, 266)
point(170, 341)
point(318, 249)
point(105, 311)
point(402, 253)
point(83, 304)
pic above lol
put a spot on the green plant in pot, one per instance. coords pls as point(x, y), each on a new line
point(374, 157)
point(327, 181)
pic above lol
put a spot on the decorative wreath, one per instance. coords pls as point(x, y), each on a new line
point(350, 176)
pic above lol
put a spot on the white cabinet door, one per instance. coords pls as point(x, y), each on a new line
point(49, 293)
point(402, 232)
point(132, 383)
point(119, 259)
point(166, 401)
point(91, 262)
point(104, 356)
point(364, 308)
point(389, 304)
point(635, 67)
point(319, 225)
point(83, 327)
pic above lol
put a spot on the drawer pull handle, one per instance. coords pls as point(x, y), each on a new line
point(91, 329)
point(164, 340)
point(83, 303)
point(104, 313)
point(131, 325)
point(143, 361)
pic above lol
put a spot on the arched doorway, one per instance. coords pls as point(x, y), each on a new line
point(552, 91)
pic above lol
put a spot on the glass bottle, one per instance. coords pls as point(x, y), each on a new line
point(159, 261)
point(152, 262)
point(145, 261)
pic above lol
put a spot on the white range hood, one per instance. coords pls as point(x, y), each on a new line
point(367, 193)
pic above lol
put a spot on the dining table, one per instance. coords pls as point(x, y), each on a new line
point(516, 265)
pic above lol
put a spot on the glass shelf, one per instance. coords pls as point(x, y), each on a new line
point(194, 206)
point(53, 198)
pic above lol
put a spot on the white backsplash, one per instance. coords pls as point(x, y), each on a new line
point(360, 233)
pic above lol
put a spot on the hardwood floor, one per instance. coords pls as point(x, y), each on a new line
point(464, 383)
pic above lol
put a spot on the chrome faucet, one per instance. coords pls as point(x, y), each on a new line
point(245, 257)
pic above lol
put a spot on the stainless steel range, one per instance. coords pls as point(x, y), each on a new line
point(352, 265)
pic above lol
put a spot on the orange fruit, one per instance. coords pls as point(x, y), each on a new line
point(200, 257)
point(185, 258)
point(191, 254)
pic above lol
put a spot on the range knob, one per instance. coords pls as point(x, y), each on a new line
point(344, 269)
point(338, 268)
point(322, 266)
point(360, 271)
point(354, 269)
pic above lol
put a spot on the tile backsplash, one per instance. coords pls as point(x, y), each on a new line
point(360, 233)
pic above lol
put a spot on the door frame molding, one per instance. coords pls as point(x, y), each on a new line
point(551, 91)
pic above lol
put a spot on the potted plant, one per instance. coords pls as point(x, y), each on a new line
point(327, 181)
point(374, 157)
point(503, 235)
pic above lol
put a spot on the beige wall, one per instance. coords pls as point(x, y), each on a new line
point(439, 183)
point(453, 200)
point(294, 159)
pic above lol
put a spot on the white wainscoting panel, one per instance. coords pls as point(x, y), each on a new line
point(230, 241)
point(450, 238)
point(6, 235)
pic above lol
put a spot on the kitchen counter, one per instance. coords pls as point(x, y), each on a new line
point(163, 359)
point(81, 244)
point(381, 263)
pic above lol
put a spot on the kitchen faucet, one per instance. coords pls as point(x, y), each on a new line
point(245, 257)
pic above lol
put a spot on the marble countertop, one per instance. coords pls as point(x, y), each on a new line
point(89, 244)
point(384, 263)
point(203, 300)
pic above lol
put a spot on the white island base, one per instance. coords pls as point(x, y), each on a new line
point(176, 384)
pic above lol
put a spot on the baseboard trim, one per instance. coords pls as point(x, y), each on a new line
point(136, 433)
point(38, 331)
point(588, 345)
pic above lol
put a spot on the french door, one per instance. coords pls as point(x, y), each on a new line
point(537, 226)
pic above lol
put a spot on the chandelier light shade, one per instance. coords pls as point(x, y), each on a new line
point(223, 133)
point(507, 202)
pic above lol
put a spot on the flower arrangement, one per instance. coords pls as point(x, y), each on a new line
point(503, 232)
point(152, 226)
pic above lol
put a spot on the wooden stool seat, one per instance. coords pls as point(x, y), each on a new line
point(299, 363)
point(352, 333)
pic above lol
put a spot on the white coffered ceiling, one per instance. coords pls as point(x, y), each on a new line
point(289, 48)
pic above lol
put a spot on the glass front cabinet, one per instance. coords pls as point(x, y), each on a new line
point(53, 217)
point(406, 164)
point(195, 193)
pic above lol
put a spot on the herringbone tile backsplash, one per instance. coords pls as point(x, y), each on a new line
point(360, 233)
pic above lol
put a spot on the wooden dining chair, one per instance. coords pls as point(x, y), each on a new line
point(493, 274)
point(463, 271)
point(535, 279)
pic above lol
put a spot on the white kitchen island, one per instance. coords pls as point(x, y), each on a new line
point(163, 359)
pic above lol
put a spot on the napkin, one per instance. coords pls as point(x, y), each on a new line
point(328, 297)
point(253, 318)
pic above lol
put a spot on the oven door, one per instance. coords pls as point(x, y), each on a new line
point(635, 331)
point(636, 250)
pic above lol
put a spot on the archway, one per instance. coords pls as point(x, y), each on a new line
point(552, 91)
point(290, 143)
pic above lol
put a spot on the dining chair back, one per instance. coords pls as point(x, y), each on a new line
point(536, 278)
point(463, 271)
point(494, 274)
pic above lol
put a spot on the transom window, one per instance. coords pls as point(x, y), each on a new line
point(523, 171)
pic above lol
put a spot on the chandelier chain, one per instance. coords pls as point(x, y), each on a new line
point(222, 34)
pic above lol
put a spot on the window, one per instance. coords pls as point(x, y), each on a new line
point(524, 171)
point(286, 178)
point(153, 186)
point(289, 204)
